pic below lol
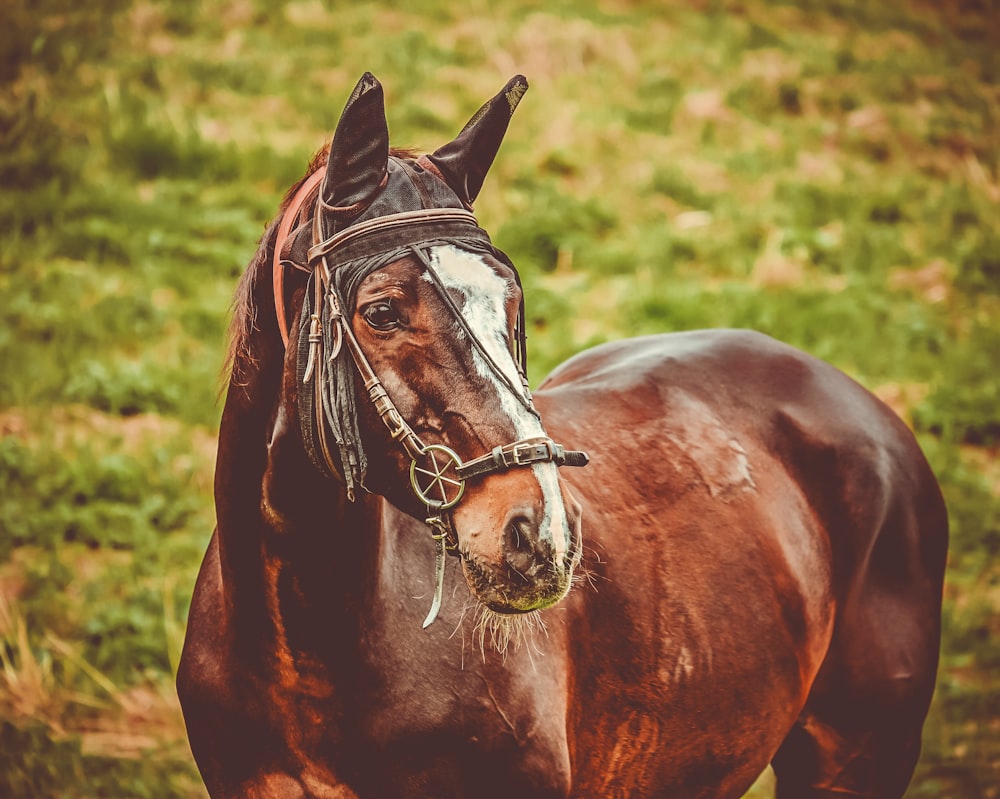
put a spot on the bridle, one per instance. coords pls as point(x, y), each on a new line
point(437, 473)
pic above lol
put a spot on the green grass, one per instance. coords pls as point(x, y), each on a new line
point(825, 171)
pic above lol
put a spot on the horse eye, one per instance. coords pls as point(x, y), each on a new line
point(382, 315)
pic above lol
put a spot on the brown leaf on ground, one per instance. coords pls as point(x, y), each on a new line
point(931, 282)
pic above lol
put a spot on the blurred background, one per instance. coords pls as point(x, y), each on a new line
point(826, 171)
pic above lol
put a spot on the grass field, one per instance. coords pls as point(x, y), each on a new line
point(826, 171)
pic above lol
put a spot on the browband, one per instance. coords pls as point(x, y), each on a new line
point(396, 231)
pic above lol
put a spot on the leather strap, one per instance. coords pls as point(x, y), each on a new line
point(309, 185)
point(417, 226)
point(522, 453)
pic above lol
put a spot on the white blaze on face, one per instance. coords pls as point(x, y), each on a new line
point(485, 296)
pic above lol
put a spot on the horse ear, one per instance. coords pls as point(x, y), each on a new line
point(359, 153)
point(465, 161)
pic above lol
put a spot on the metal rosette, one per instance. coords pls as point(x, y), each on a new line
point(435, 478)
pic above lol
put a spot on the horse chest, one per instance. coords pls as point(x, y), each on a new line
point(461, 731)
point(404, 706)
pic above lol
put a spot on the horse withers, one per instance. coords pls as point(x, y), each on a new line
point(419, 587)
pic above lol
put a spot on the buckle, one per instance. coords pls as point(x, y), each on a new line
point(528, 452)
point(521, 454)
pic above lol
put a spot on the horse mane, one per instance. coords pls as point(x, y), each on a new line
point(240, 358)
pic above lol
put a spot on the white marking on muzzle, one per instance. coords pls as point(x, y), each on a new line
point(484, 308)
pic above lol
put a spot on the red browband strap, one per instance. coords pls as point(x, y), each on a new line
point(309, 185)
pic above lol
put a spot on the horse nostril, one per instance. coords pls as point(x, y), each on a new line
point(522, 549)
point(516, 532)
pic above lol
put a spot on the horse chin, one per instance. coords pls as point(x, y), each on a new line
point(510, 595)
point(505, 627)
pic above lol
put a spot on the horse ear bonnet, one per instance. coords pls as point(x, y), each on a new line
point(359, 154)
point(465, 161)
point(363, 182)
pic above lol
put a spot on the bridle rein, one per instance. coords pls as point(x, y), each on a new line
point(437, 473)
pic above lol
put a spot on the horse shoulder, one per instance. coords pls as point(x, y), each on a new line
point(205, 680)
point(706, 564)
point(224, 698)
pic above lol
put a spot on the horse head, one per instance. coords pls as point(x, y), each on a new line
point(411, 361)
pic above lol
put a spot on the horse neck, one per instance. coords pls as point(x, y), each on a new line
point(278, 518)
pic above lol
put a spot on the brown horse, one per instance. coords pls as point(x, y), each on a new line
point(758, 543)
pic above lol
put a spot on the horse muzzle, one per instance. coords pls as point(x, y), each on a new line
point(524, 563)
